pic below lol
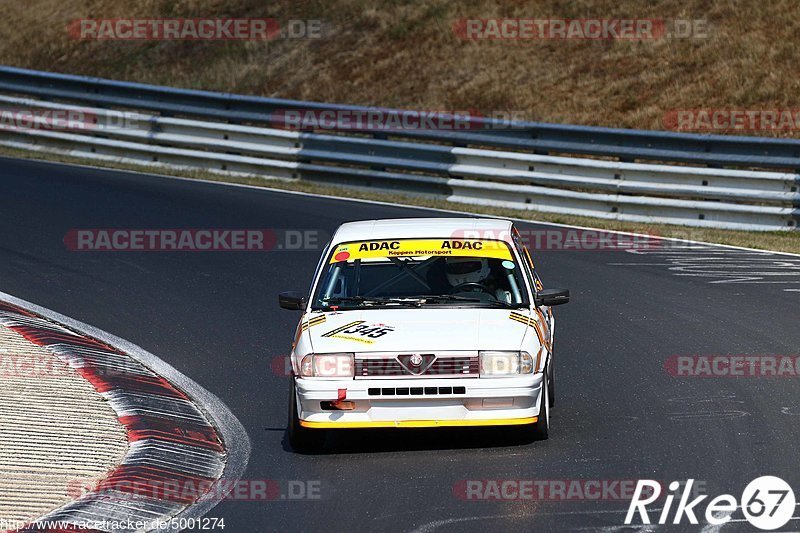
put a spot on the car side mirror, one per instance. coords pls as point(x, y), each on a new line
point(550, 297)
point(291, 300)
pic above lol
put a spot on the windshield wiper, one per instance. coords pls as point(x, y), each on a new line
point(498, 303)
point(446, 298)
point(439, 298)
point(358, 300)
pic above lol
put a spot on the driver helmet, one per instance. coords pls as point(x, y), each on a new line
point(462, 270)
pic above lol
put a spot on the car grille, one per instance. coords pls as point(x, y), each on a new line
point(415, 391)
point(391, 367)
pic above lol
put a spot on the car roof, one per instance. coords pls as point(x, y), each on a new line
point(434, 228)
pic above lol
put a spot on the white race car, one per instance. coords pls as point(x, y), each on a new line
point(422, 323)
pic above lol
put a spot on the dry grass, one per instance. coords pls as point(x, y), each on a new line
point(405, 54)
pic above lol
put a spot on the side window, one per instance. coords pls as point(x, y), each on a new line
point(526, 265)
point(530, 268)
point(318, 270)
point(537, 280)
point(539, 285)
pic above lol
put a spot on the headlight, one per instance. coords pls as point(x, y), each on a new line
point(506, 363)
point(329, 365)
point(525, 363)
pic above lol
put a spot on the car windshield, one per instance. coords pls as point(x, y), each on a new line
point(417, 272)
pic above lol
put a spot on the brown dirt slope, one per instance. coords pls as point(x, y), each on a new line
point(406, 54)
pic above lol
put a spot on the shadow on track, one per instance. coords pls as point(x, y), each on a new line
point(395, 440)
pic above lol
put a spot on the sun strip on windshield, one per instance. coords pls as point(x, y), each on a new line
point(421, 248)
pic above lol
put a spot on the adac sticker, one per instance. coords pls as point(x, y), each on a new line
point(421, 247)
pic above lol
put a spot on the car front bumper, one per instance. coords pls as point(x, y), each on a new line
point(483, 402)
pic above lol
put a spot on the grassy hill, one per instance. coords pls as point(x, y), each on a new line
point(406, 54)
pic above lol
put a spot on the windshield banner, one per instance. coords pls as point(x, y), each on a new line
point(421, 247)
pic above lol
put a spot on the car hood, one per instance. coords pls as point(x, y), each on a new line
point(382, 330)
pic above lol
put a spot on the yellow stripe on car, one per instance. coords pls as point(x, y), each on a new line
point(533, 323)
point(528, 321)
point(419, 423)
point(313, 322)
point(421, 247)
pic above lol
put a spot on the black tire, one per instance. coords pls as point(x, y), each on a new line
point(551, 386)
point(303, 440)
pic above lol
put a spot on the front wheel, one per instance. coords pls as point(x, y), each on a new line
point(303, 440)
point(541, 429)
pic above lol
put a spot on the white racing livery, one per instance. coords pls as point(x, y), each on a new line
point(425, 322)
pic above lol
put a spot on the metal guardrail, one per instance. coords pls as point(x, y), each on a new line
point(471, 166)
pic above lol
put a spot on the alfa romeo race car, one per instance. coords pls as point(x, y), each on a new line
point(422, 323)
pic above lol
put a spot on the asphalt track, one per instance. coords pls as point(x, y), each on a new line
point(619, 415)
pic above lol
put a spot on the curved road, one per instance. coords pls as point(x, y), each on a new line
point(619, 414)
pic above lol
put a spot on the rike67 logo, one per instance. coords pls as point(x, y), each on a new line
point(767, 503)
